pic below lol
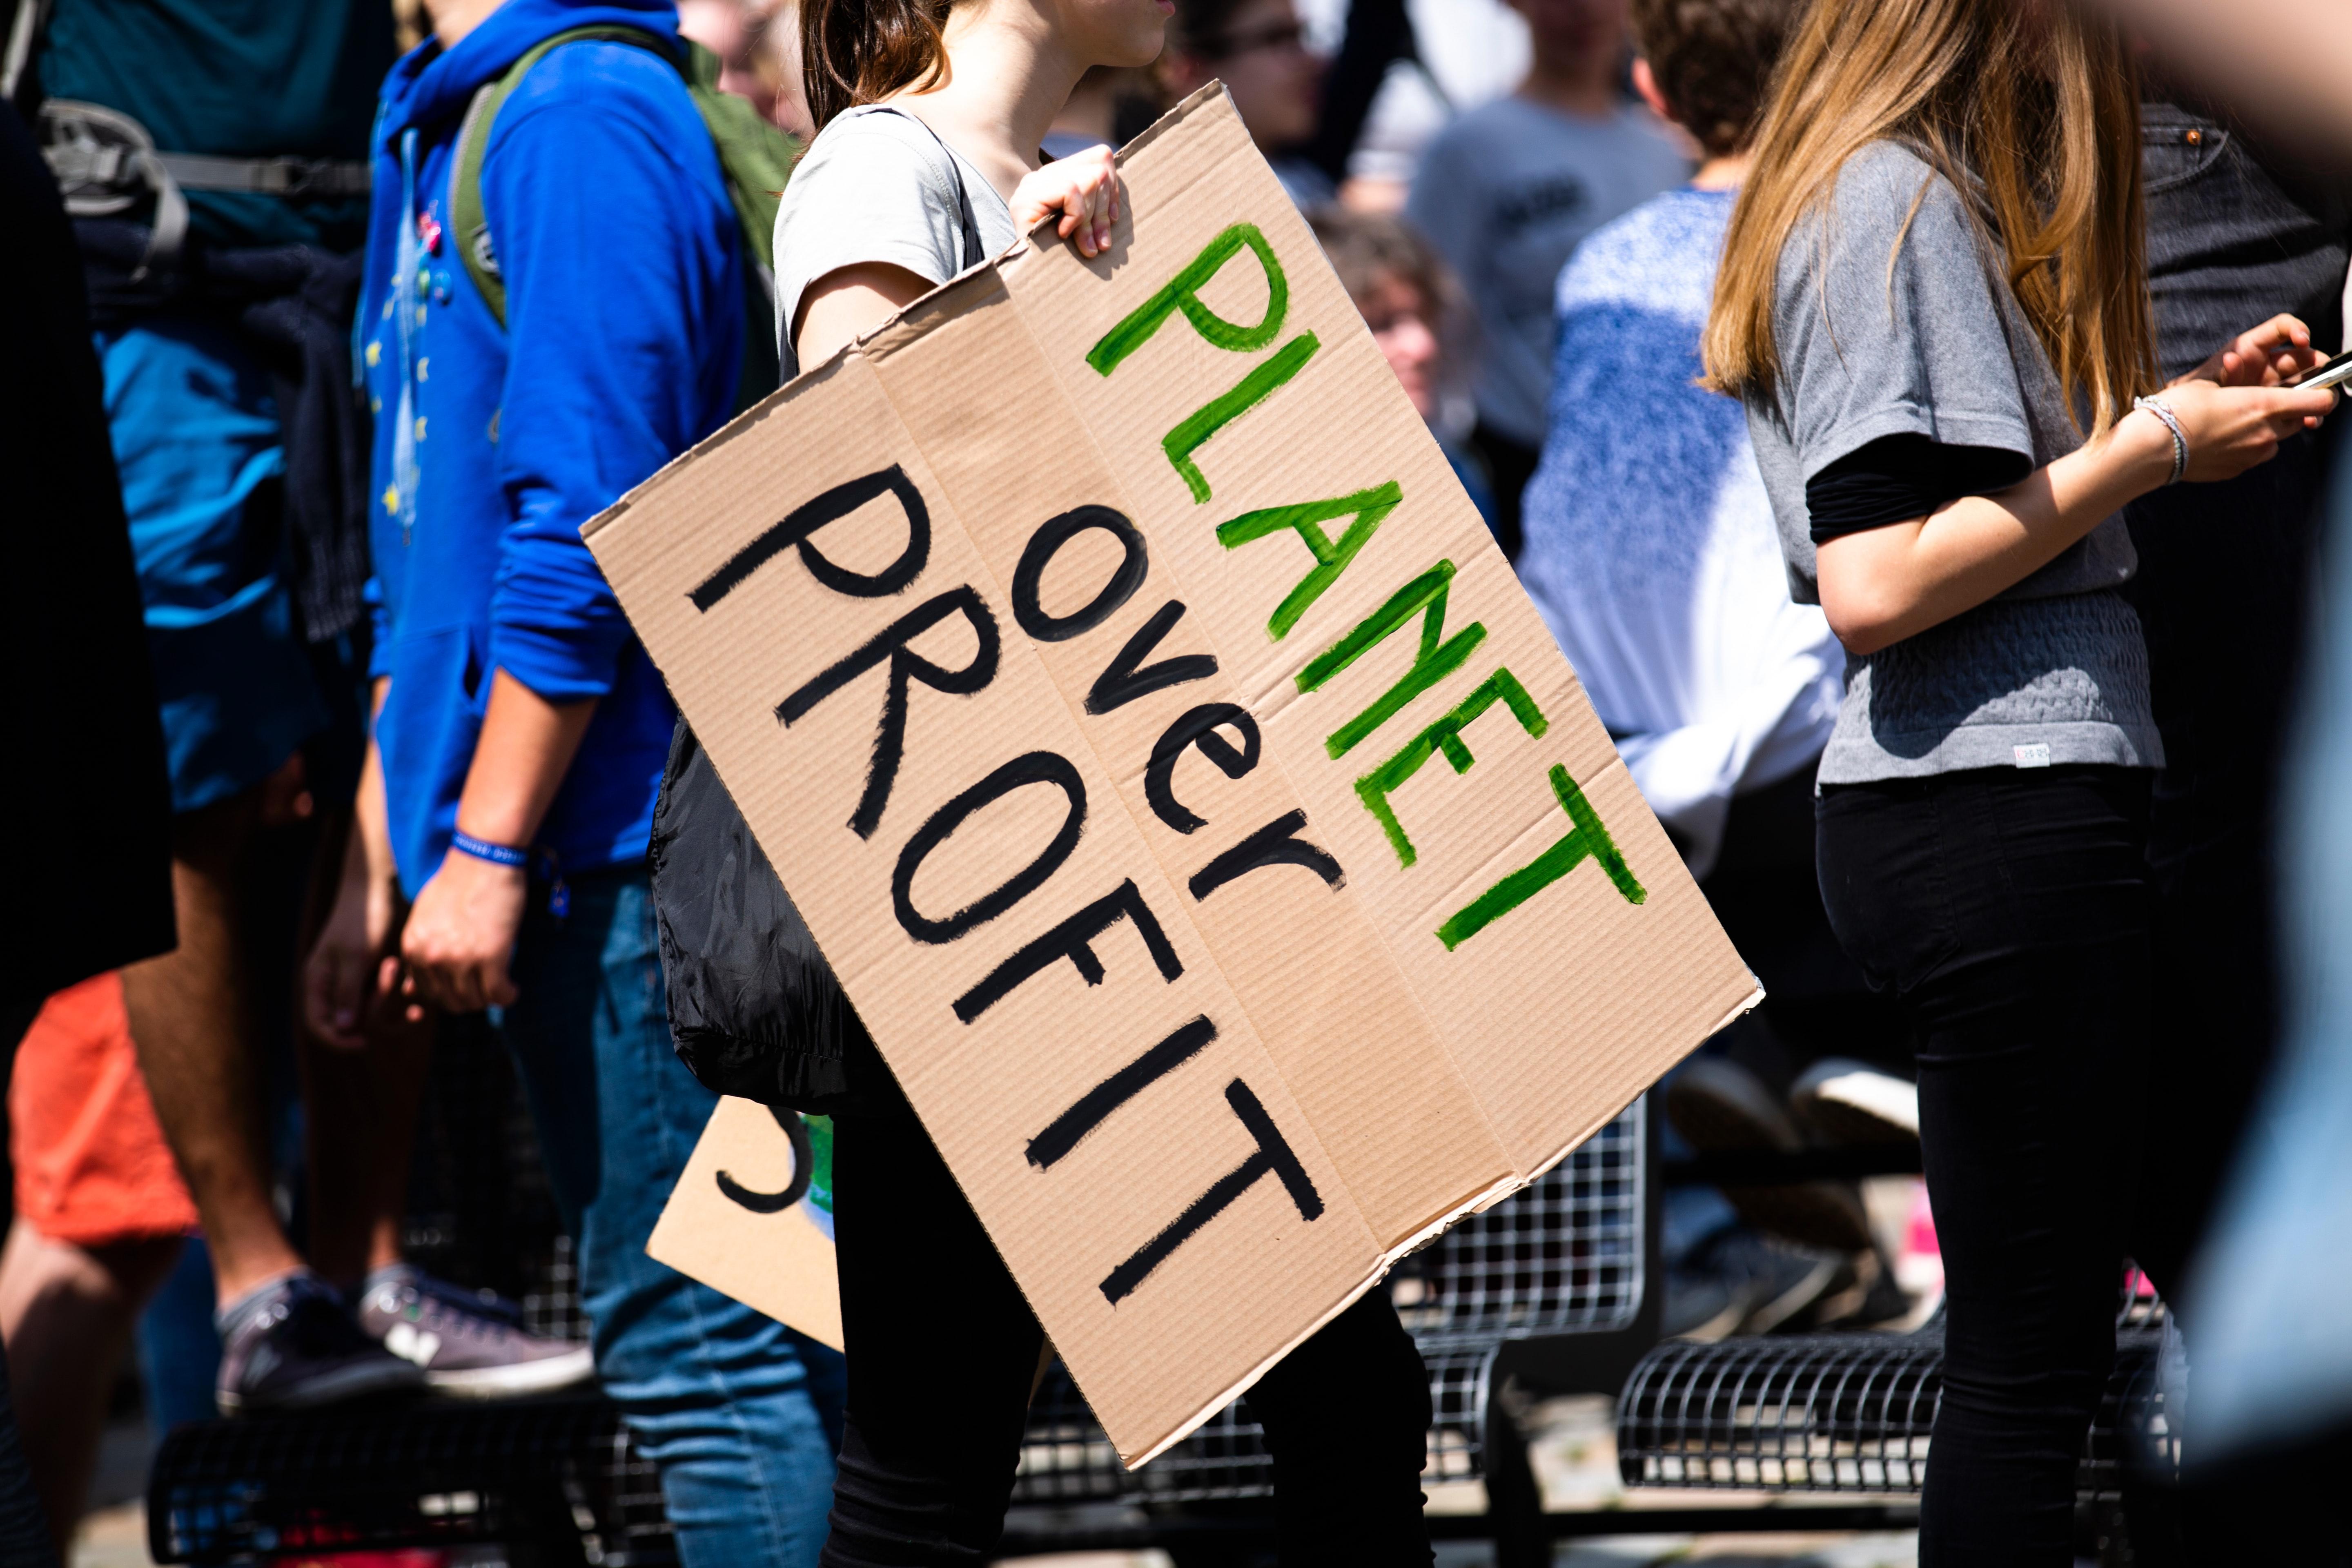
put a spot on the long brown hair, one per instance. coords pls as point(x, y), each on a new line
point(2032, 108)
point(862, 51)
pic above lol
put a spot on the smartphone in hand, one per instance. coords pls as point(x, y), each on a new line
point(2327, 372)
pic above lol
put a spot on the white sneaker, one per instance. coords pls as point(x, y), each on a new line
point(1850, 1102)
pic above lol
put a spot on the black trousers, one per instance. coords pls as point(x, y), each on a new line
point(2009, 913)
point(943, 1350)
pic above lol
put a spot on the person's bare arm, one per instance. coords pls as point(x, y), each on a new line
point(357, 942)
point(848, 301)
point(461, 934)
point(835, 309)
point(1882, 584)
point(2280, 63)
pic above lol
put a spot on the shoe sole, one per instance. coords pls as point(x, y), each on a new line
point(1718, 1118)
point(516, 1378)
point(1720, 1114)
point(351, 1383)
point(1841, 1306)
point(1845, 1124)
point(1862, 1108)
point(1719, 1327)
point(1763, 1320)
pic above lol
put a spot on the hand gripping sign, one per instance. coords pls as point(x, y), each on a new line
point(1199, 817)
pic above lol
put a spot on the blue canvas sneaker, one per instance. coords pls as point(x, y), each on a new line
point(291, 1345)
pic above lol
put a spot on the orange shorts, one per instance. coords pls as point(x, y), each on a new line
point(91, 1163)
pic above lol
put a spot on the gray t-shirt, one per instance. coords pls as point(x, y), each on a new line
point(877, 185)
point(2051, 671)
point(1505, 193)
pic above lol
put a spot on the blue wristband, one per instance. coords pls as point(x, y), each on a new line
point(464, 843)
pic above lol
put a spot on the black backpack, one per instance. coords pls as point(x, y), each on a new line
point(755, 1009)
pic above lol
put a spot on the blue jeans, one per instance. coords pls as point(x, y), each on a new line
point(741, 1414)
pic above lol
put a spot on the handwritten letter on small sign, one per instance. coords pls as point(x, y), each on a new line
point(1201, 819)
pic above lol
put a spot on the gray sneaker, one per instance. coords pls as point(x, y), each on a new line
point(467, 1345)
point(291, 1345)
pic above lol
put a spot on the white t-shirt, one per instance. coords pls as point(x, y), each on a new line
point(1505, 193)
point(877, 185)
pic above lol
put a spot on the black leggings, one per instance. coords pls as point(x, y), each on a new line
point(942, 1351)
point(2009, 913)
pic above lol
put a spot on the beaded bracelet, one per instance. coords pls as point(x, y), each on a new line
point(2158, 406)
point(464, 843)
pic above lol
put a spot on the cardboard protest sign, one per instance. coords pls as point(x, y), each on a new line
point(752, 1216)
point(1201, 820)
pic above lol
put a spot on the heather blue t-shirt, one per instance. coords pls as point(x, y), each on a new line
point(1650, 546)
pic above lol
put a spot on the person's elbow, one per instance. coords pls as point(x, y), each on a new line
point(1868, 608)
point(1862, 625)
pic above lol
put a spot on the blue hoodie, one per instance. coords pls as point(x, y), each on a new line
point(619, 251)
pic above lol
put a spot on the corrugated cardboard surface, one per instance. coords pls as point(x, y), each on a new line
point(1409, 1080)
point(780, 1262)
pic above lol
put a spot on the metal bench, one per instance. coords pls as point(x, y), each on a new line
point(1569, 1257)
point(557, 1476)
point(1851, 1413)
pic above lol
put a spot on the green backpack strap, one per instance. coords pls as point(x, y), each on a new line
point(755, 157)
point(467, 221)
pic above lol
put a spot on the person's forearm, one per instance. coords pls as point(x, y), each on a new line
point(526, 747)
point(1884, 585)
point(370, 853)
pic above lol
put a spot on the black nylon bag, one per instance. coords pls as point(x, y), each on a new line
point(755, 1011)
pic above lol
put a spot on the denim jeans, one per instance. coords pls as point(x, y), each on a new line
point(2237, 230)
point(2236, 234)
point(741, 1414)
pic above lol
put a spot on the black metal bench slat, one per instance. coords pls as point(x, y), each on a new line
point(1842, 1413)
point(1563, 1256)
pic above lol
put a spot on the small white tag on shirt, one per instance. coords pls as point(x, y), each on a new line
point(2034, 756)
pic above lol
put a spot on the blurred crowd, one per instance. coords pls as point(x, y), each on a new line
point(328, 731)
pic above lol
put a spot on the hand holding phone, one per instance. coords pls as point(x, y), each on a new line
point(2329, 373)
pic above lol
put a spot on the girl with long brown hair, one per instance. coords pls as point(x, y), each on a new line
point(1933, 301)
point(929, 116)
